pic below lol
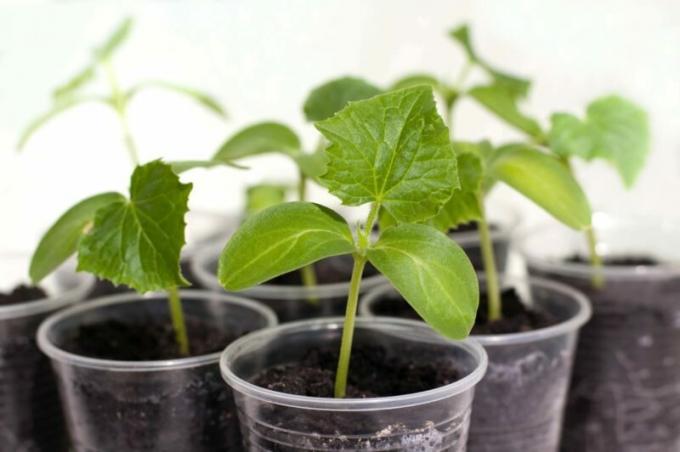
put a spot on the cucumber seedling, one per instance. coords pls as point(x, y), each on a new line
point(133, 240)
point(391, 151)
point(72, 93)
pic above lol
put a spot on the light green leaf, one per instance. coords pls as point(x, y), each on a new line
point(281, 239)
point(546, 181)
point(392, 149)
point(180, 166)
point(202, 98)
point(331, 97)
point(501, 101)
point(137, 242)
point(260, 138)
point(486, 154)
point(119, 35)
point(261, 197)
point(74, 84)
point(385, 220)
point(312, 164)
point(614, 129)
point(448, 94)
point(462, 35)
point(56, 109)
point(432, 273)
point(61, 240)
point(463, 206)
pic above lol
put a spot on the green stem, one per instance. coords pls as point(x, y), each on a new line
point(364, 236)
point(597, 279)
point(302, 187)
point(120, 105)
point(348, 327)
point(178, 323)
point(493, 293)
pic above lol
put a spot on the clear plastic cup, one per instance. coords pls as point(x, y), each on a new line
point(519, 403)
point(30, 413)
point(289, 302)
point(625, 390)
point(430, 420)
point(164, 405)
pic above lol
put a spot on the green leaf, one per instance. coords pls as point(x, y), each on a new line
point(180, 166)
point(312, 164)
point(614, 129)
point(331, 97)
point(119, 35)
point(137, 242)
point(462, 35)
point(61, 240)
point(261, 197)
point(432, 273)
point(502, 102)
point(546, 181)
point(486, 154)
point(260, 138)
point(412, 80)
point(202, 98)
point(74, 84)
point(281, 239)
point(463, 206)
point(392, 149)
point(56, 109)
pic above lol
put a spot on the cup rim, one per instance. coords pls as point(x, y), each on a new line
point(58, 354)
point(584, 270)
point(351, 404)
point(573, 323)
point(273, 291)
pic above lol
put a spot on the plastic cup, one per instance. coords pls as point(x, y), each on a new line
point(30, 413)
point(430, 420)
point(164, 405)
point(625, 390)
point(289, 302)
point(519, 403)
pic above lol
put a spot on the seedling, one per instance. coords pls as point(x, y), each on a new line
point(134, 241)
point(72, 93)
point(393, 152)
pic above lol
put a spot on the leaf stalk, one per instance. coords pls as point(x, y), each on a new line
point(493, 294)
point(178, 322)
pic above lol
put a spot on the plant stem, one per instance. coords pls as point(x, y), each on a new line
point(368, 228)
point(178, 323)
point(302, 187)
point(597, 279)
point(348, 327)
point(493, 293)
point(120, 105)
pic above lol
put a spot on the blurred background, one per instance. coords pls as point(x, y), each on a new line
point(260, 59)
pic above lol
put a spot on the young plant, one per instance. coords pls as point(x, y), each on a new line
point(391, 151)
point(134, 241)
point(71, 94)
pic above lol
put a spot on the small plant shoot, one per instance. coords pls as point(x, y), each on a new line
point(74, 93)
point(133, 240)
point(393, 152)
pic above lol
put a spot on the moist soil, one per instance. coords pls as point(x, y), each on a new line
point(517, 317)
point(22, 294)
point(617, 261)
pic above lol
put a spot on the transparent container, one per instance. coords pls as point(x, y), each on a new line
point(424, 421)
point(519, 403)
point(289, 302)
point(30, 413)
point(625, 390)
point(164, 405)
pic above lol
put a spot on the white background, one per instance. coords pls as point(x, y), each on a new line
point(260, 58)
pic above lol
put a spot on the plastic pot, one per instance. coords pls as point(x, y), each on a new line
point(519, 403)
point(164, 405)
point(626, 385)
point(430, 420)
point(30, 414)
point(289, 302)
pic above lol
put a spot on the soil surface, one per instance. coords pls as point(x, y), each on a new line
point(617, 261)
point(21, 294)
point(144, 341)
point(372, 374)
point(516, 316)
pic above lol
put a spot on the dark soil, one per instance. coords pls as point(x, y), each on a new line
point(617, 261)
point(372, 374)
point(21, 294)
point(516, 316)
point(144, 341)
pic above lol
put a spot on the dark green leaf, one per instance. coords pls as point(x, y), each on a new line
point(499, 100)
point(261, 197)
point(137, 242)
point(392, 149)
point(61, 240)
point(331, 97)
point(546, 181)
point(202, 98)
point(119, 35)
point(281, 239)
point(312, 164)
point(181, 166)
point(432, 273)
point(464, 204)
point(260, 138)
